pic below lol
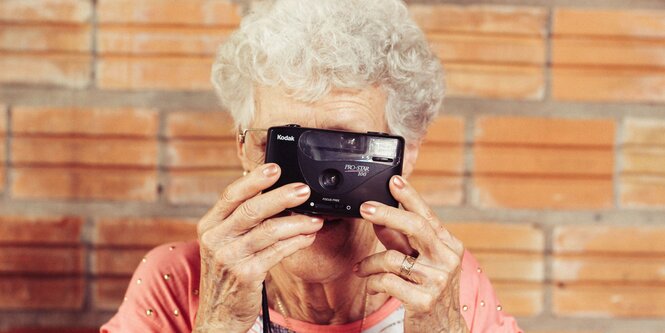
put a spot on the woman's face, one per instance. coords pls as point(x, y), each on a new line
point(341, 242)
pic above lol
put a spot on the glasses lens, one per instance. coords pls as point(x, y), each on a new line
point(255, 145)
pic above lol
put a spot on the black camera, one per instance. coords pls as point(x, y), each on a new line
point(343, 169)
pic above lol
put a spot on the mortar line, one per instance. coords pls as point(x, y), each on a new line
point(163, 182)
point(547, 68)
point(469, 161)
point(7, 179)
point(93, 57)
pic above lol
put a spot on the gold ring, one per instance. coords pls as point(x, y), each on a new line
point(407, 265)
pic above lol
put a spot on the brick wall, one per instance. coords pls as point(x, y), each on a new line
point(548, 159)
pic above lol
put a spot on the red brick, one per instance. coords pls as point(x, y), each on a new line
point(45, 38)
point(108, 293)
point(545, 131)
point(67, 70)
point(40, 230)
point(187, 12)
point(511, 20)
point(495, 81)
point(160, 40)
point(581, 51)
point(27, 293)
point(438, 190)
point(116, 261)
point(147, 232)
point(465, 48)
point(198, 124)
point(154, 73)
point(82, 183)
point(520, 299)
point(608, 22)
point(446, 129)
point(62, 11)
point(506, 237)
point(202, 154)
point(512, 266)
point(84, 151)
point(541, 193)
point(599, 84)
point(42, 260)
point(643, 131)
point(609, 301)
point(85, 121)
point(447, 159)
point(641, 239)
point(543, 161)
point(642, 191)
point(199, 187)
point(609, 268)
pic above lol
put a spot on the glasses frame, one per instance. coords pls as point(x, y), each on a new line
point(242, 133)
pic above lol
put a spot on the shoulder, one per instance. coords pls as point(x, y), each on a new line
point(163, 291)
point(481, 308)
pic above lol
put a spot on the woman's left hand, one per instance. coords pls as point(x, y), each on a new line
point(430, 291)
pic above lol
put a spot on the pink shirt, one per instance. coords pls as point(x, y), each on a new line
point(163, 297)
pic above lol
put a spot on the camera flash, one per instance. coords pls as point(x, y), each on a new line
point(383, 147)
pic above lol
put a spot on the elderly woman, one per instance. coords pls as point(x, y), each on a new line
point(354, 65)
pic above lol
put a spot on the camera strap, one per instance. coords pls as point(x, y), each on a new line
point(266, 312)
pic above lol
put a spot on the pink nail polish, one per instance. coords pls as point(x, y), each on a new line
point(399, 182)
point(270, 171)
point(368, 208)
point(301, 190)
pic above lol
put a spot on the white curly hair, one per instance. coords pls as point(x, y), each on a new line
point(310, 47)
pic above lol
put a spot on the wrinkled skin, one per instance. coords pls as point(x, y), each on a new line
point(320, 271)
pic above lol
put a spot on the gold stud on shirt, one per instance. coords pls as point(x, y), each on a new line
point(124, 299)
point(480, 270)
point(138, 281)
point(171, 248)
point(176, 312)
point(167, 277)
point(149, 312)
point(144, 259)
point(498, 308)
point(464, 308)
point(482, 303)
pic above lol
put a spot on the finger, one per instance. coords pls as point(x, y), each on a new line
point(391, 261)
point(274, 254)
point(410, 199)
point(410, 294)
point(418, 231)
point(273, 230)
point(261, 207)
point(237, 192)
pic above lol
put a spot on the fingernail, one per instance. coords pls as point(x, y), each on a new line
point(399, 182)
point(368, 208)
point(301, 190)
point(317, 220)
point(270, 170)
point(356, 267)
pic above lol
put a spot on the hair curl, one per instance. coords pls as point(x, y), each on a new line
point(310, 47)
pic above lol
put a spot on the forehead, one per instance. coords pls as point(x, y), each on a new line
point(347, 109)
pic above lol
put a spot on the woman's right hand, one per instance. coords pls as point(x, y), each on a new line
point(241, 240)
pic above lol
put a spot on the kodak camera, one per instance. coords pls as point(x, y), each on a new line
point(343, 169)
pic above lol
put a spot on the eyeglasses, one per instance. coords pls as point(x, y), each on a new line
point(254, 142)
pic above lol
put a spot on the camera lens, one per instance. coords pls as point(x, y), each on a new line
point(330, 179)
